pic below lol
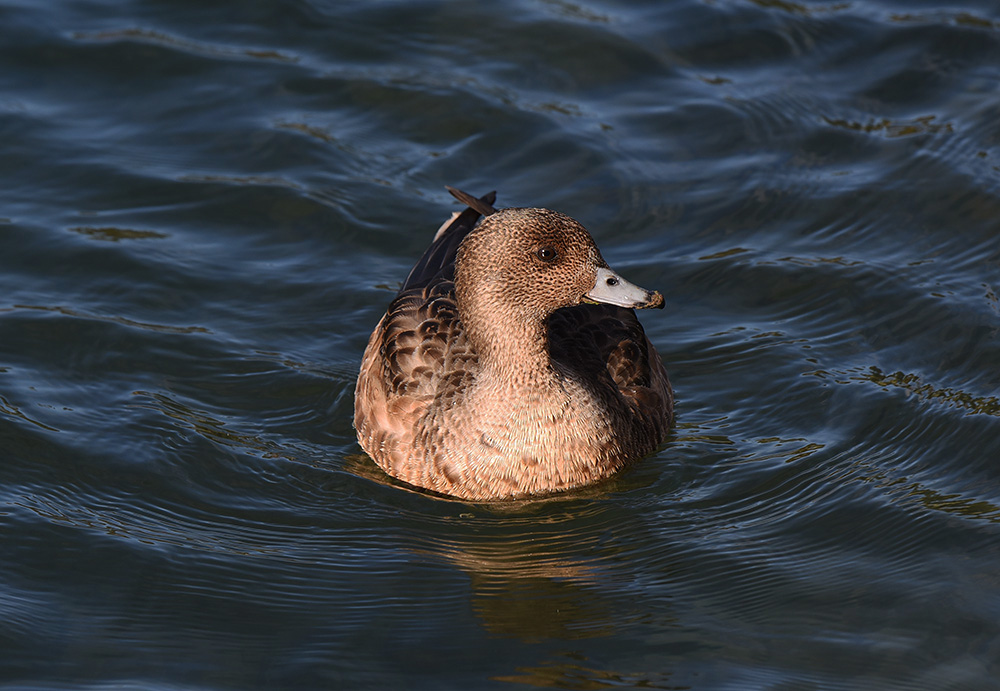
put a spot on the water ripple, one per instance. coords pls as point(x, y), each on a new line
point(205, 212)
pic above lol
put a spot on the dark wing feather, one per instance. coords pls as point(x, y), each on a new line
point(421, 335)
point(422, 338)
point(440, 256)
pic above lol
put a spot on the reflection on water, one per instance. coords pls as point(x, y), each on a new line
point(974, 405)
point(205, 209)
point(113, 234)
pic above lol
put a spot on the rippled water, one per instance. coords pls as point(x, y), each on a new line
point(206, 206)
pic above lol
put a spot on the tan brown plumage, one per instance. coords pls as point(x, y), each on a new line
point(488, 379)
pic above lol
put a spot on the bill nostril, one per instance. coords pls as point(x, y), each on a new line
point(612, 281)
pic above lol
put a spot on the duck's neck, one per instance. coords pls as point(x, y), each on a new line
point(512, 346)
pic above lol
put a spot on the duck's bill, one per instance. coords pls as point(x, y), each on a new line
point(612, 289)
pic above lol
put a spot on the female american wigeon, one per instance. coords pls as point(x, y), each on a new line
point(495, 374)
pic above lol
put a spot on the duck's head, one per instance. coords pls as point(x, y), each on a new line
point(537, 261)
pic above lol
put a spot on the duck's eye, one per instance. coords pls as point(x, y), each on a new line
point(547, 254)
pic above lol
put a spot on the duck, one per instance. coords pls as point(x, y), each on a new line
point(511, 364)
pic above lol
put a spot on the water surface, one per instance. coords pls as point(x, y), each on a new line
point(205, 207)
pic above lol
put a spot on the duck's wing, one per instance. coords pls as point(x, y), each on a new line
point(607, 344)
point(422, 342)
point(419, 351)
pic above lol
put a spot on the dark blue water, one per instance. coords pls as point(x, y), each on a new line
point(205, 207)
